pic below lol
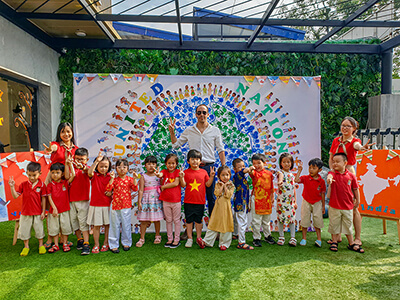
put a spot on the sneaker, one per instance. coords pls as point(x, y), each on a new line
point(201, 243)
point(317, 243)
point(270, 240)
point(222, 248)
point(189, 243)
point(42, 250)
point(303, 242)
point(168, 244)
point(172, 246)
point(257, 243)
point(24, 252)
point(85, 249)
point(79, 244)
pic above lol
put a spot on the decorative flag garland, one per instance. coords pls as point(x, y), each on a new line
point(152, 78)
point(391, 154)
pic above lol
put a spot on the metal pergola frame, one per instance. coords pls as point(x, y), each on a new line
point(22, 20)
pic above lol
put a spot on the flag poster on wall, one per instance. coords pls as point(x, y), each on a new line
point(127, 115)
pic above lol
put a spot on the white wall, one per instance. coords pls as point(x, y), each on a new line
point(23, 54)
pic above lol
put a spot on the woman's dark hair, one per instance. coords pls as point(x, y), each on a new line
point(61, 128)
point(172, 155)
point(283, 155)
point(122, 161)
point(150, 159)
point(105, 158)
point(57, 166)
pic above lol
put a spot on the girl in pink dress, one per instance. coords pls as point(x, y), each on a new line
point(149, 206)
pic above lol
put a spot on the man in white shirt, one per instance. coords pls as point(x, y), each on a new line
point(205, 138)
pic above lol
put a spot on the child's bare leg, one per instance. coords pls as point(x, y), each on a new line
point(106, 230)
point(157, 226)
point(335, 238)
point(78, 234)
point(40, 242)
point(318, 232)
point(86, 236)
point(96, 236)
point(199, 228)
point(64, 239)
point(55, 240)
point(189, 228)
point(143, 227)
point(26, 244)
point(357, 226)
point(350, 239)
point(304, 232)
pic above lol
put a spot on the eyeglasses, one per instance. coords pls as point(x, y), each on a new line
point(199, 112)
point(346, 126)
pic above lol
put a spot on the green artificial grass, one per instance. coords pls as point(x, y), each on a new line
point(155, 272)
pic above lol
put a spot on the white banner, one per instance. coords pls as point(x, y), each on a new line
point(128, 116)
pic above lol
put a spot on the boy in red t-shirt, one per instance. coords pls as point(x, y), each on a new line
point(314, 199)
point(195, 181)
point(33, 206)
point(263, 192)
point(58, 220)
point(79, 200)
point(344, 189)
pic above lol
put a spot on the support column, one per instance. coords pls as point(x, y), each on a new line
point(386, 73)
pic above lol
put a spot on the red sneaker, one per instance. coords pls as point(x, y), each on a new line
point(201, 243)
point(222, 248)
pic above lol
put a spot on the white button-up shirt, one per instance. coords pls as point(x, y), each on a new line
point(205, 142)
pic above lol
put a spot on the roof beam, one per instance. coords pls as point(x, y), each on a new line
point(390, 44)
point(216, 46)
point(178, 16)
point(92, 13)
point(209, 20)
point(349, 19)
point(264, 19)
point(14, 17)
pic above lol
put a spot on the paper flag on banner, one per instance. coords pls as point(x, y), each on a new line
point(273, 79)
point(140, 77)
point(284, 79)
point(368, 154)
point(90, 77)
point(47, 158)
point(78, 78)
point(38, 156)
point(115, 77)
point(391, 154)
point(128, 77)
point(102, 76)
point(152, 77)
point(261, 79)
point(296, 79)
point(12, 157)
point(1, 94)
point(318, 80)
point(3, 163)
point(249, 79)
point(308, 80)
point(359, 158)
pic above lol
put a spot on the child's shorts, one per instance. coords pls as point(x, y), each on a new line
point(79, 213)
point(25, 227)
point(340, 221)
point(61, 223)
point(98, 215)
point(193, 212)
point(316, 210)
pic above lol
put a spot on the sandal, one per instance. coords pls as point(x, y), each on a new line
point(157, 240)
point(53, 249)
point(245, 246)
point(293, 242)
point(105, 248)
point(334, 247)
point(70, 244)
point(48, 245)
point(352, 247)
point(66, 248)
point(140, 243)
point(115, 251)
point(95, 250)
point(126, 248)
point(281, 241)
